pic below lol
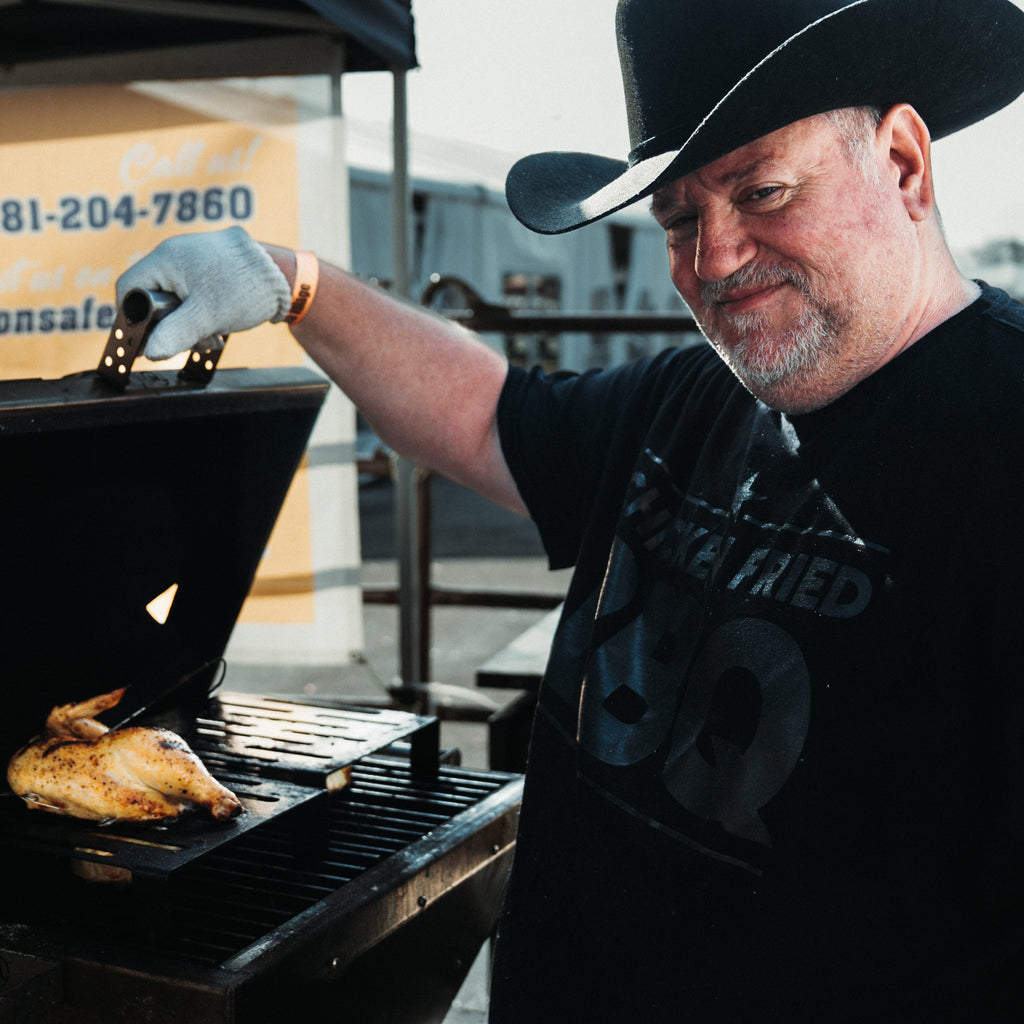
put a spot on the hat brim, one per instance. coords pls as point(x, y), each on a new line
point(954, 62)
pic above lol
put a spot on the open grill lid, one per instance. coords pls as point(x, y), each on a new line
point(113, 499)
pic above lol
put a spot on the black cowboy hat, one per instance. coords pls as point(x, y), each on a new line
point(704, 77)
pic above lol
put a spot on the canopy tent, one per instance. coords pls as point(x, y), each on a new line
point(75, 42)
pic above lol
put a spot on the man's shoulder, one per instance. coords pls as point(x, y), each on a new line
point(1002, 308)
point(695, 368)
point(982, 346)
point(978, 370)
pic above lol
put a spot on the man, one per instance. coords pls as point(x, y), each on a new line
point(777, 770)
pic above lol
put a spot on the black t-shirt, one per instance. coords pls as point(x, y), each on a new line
point(777, 771)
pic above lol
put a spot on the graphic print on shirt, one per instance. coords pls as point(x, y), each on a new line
point(694, 689)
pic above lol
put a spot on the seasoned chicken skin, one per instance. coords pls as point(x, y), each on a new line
point(80, 768)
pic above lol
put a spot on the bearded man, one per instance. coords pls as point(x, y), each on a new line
point(777, 769)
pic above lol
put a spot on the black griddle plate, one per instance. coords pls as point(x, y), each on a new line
point(277, 756)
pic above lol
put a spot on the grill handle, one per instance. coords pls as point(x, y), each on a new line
point(140, 311)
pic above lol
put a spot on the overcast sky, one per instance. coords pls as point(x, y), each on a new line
point(529, 75)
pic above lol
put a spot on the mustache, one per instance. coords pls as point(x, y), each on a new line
point(762, 275)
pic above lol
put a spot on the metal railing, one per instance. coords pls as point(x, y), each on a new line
point(485, 317)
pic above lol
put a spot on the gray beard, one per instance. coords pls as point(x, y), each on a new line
point(791, 355)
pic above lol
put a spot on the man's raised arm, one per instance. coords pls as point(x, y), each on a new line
point(426, 385)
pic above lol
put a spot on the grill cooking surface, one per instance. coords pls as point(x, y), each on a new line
point(302, 743)
point(314, 906)
point(218, 907)
point(151, 849)
point(280, 758)
point(242, 893)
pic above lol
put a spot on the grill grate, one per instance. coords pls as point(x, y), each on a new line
point(219, 905)
point(280, 758)
point(302, 743)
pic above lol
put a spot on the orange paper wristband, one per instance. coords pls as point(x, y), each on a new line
point(307, 274)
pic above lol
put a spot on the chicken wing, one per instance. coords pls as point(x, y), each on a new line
point(80, 768)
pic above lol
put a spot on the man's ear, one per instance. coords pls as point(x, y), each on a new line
point(909, 142)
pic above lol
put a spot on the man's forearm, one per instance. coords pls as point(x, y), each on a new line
point(427, 386)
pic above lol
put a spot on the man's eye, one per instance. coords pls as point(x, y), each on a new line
point(765, 192)
point(681, 227)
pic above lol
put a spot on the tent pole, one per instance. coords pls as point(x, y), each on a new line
point(406, 512)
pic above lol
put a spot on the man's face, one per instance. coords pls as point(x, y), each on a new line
point(797, 260)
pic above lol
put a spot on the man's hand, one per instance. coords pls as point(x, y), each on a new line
point(226, 282)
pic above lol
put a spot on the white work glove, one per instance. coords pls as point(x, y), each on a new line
point(226, 282)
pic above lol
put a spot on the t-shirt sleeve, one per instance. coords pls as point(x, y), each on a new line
point(564, 434)
point(555, 430)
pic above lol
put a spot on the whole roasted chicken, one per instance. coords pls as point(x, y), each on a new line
point(80, 768)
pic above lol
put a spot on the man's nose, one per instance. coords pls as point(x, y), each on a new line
point(724, 245)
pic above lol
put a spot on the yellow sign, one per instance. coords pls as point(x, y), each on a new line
point(93, 178)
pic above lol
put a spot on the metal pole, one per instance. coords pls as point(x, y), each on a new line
point(406, 512)
point(337, 70)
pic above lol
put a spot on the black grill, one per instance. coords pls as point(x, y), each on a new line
point(314, 902)
point(366, 871)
